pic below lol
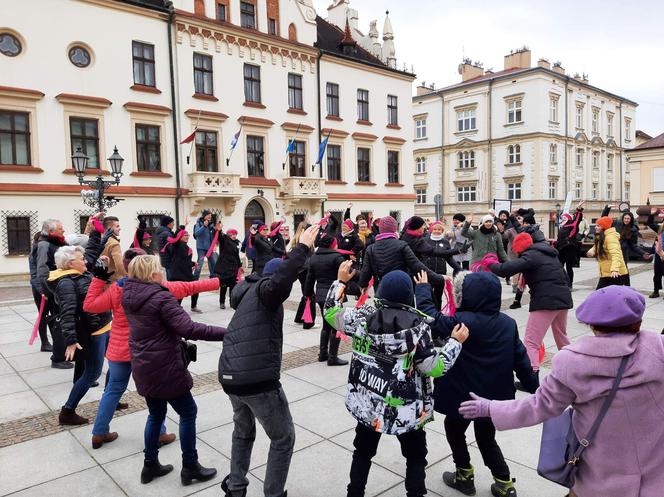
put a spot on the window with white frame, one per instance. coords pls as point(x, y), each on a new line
point(593, 191)
point(467, 193)
point(553, 108)
point(579, 116)
point(421, 195)
point(595, 121)
point(420, 128)
point(628, 129)
point(553, 153)
point(466, 120)
point(578, 187)
point(421, 163)
point(514, 111)
point(466, 159)
point(609, 125)
point(579, 157)
point(595, 160)
point(514, 191)
point(553, 189)
point(609, 162)
point(626, 194)
point(609, 191)
point(514, 154)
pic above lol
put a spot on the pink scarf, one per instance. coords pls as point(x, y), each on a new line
point(449, 308)
point(213, 245)
point(174, 240)
point(415, 233)
point(483, 265)
point(384, 236)
point(35, 330)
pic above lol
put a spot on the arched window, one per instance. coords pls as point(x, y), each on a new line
point(514, 154)
point(466, 159)
point(292, 32)
point(553, 153)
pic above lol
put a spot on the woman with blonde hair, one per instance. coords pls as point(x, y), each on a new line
point(612, 267)
point(158, 327)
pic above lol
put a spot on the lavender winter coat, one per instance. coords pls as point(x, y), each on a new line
point(626, 458)
point(157, 325)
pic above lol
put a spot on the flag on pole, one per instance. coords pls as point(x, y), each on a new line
point(235, 139)
point(189, 138)
point(291, 146)
point(321, 150)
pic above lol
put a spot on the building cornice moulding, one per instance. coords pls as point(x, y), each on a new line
point(86, 100)
point(22, 93)
point(295, 127)
point(327, 57)
point(206, 115)
point(147, 108)
point(132, 9)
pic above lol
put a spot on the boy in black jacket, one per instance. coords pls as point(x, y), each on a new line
point(487, 360)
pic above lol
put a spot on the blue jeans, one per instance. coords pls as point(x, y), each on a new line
point(94, 362)
point(212, 260)
point(185, 406)
point(118, 379)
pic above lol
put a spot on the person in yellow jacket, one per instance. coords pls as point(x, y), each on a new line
point(612, 267)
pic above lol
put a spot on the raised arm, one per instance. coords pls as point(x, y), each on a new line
point(99, 298)
point(176, 319)
point(182, 289)
point(510, 268)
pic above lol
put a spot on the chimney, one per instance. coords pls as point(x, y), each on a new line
point(543, 63)
point(584, 78)
point(470, 70)
point(558, 67)
point(423, 89)
point(519, 58)
point(577, 76)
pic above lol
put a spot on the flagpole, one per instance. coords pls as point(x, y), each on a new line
point(283, 164)
point(313, 167)
point(228, 159)
point(191, 148)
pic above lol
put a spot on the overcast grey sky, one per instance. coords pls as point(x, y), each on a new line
point(618, 44)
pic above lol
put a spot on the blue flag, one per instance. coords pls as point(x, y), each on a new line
point(321, 151)
point(235, 139)
point(291, 146)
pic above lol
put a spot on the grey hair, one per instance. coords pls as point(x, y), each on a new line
point(77, 239)
point(49, 226)
point(457, 287)
point(67, 253)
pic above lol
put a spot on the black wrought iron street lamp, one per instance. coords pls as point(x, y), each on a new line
point(96, 197)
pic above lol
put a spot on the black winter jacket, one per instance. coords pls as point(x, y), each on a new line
point(421, 248)
point(544, 275)
point(162, 234)
point(352, 242)
point(278, 245)
point(182, 265)
point(264, 252)
point(228, 261)
point(45, 260)
point(444, 254)
point(629, 235)
point(250, 361)
point(491, 353)
point(323, 269)
point(387, 255)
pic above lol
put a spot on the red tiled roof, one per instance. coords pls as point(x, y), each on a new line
point(657, 142)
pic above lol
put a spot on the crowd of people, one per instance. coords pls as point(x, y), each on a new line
point(432, 339)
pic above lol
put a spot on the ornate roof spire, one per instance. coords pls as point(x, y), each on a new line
point(347, 40)
point(388, 32)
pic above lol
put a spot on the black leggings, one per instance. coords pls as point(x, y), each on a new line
point(413, 448)
point(657, 277)
point(485, 435)
point(567, 258)
point(608, 281)
point(194, 301)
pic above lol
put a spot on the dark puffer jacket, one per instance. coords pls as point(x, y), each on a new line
point(182, 265)
point(629, 235)
point(264, 253)
point(544, 275)
point(250, 361)
point(157, 326)
point(420, 246)
point(350, 241)
point(228, 261)
point(491, 353)
point(47, 246)
point(437, 261)
point(323, 269)
point(162, 234)
point(387, 255)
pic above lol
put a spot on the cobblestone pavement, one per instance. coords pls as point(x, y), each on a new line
point(40, 458)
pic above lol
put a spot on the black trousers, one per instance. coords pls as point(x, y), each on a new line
point(465, 265)
point(485, 435)
point(223, 287)
point(657, 277)
point(567, 258)
point(194, 300)
point(43, 336)
point(608, 281)
point(413, 448)
point(50, 311)
point(438, 295)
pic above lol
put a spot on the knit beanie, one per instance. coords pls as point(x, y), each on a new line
point(566, 217)
point(604, 222)
point(459, 217)
point(272, 266)
point(486, 218)
point(205, 213)
point(396, 287)
point(521, 242)
point(129, 255)
point(416, 222)
point(388, 225)
point(529, 218)
point(231, 232)
point(349, 224)
point(166, 220)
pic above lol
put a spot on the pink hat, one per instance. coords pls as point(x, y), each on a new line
point(349, 224)
point(388, 225)
point(231, 232)
point(566, 217)
point(435, 223)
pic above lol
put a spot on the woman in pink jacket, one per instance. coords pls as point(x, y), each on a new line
point(626, 458)
point(102, 298)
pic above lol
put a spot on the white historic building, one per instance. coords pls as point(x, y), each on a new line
point(272, 70)
point(525, 134)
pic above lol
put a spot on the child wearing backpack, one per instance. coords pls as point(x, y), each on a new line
point(389, 386)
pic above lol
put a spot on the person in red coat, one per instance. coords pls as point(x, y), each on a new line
point(102, 297)
point(158, 326)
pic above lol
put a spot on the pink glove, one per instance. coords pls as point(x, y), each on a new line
point(476, 408)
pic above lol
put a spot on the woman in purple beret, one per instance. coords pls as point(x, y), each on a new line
point(626, 458)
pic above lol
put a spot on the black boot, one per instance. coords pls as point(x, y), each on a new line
point(191, 472)
point(153, 469)
point(227, 492)
point(332, 359)
point(517, 300)
point(324, 340)
point(462, 480)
